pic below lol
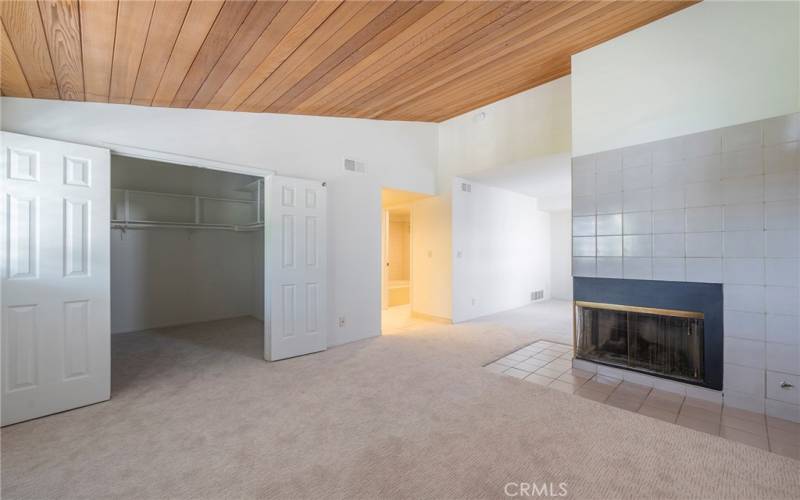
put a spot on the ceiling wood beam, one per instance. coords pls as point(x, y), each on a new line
point(290, 14)
point(385, 26)
point(453, 25)
point(330, 53)
point(61, 20)
point(98, 30)
point(228, 22)
point(133, 24)
point(313, 18)
point(196, 25)
point(256, 23)
point(165, 26)
point(12, 78)
point(23, 24)
point(309, 50)
point(379, 57)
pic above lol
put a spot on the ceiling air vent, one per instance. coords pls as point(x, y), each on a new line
point(354, 165)
point(467, 188)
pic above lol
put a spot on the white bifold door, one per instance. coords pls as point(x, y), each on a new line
point(296, 262)
point(55, 276)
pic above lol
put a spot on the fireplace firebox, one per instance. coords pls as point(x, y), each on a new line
point(660, 341)
point(666, 329)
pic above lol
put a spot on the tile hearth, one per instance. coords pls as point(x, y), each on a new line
point(550, 364)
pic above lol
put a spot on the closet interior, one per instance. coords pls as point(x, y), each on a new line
point(187, 246)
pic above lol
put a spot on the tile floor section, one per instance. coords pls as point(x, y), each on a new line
point(550, 364)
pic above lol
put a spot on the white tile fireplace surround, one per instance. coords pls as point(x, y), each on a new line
point(719, 206)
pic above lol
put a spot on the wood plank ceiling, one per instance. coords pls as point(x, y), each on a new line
point(394, 60)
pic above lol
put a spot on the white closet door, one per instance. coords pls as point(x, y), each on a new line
point(297, 268)
point(55, 276)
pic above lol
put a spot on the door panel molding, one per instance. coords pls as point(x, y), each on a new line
point(55, 277)
point(296, 261)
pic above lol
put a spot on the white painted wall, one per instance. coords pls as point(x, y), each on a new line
point(163, 277)
point(170, 277)
point(711, 65)
point(530, 124)
point(399, 155)
point(431, 264)
point(561, 255)
point(501, 250)
point(511, 135)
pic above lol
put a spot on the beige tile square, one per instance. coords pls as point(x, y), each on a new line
point(562, 386)
point(577, 372)
point(545, 357)
point(552, 352)
point(744, 437)
point(780, 423)
point(516, 373)
point(777, 435)
point(787, 450)
point(635, 390)
point(630, 404)
point(698, 425)
point(496, 368)
point(593, 385)
point(547, 372)
point(515, 356)
point(758, 428)
point(743, 414)
point(560, 364)
point(670, 406)
point(572, 379)
point(655, 412)
point(590, 394)
point(703, 404)
point(506, 362)
point(538, 379)
point(606, 380)
point(531, 365)
point(700, 414)
point(666, 395)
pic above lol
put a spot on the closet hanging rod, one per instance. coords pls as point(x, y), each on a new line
point(123, 225)
point(179, 195)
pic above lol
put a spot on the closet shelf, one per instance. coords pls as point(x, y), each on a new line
point(180, 195)
point(125, 225)
point(190, 214)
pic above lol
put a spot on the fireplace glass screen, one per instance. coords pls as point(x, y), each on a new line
point(660, 341)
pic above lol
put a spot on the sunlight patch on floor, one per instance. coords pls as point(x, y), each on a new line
point(398, 319)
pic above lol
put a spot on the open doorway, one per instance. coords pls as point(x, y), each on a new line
point(187, 268)
point(399, 255)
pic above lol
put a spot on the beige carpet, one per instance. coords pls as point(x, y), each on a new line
point(197, 414)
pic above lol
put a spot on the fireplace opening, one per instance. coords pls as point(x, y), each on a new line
point(665, 342)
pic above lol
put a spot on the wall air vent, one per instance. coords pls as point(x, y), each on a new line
point(354, 165)
point(537, 295)
point(467, 188)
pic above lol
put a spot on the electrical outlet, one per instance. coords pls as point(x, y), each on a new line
point(341, 321)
